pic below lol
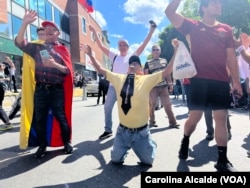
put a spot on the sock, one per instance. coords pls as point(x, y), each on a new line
point(185, 139)
point(222, 152)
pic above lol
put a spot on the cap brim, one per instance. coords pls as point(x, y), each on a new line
point(48, 23)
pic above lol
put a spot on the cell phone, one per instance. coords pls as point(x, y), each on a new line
point(44, 54)
point(152, 23)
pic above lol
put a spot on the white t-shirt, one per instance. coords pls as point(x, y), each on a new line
point(12, 71)
point(121, 63)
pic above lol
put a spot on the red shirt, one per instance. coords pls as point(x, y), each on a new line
point(208, 48)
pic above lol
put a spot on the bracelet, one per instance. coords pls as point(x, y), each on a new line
point(240, 48)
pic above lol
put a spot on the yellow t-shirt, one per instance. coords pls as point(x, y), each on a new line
point(139, 112)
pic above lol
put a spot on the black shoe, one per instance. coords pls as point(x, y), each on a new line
point(40, 152)
point(68, 148)
point(225, 167)
point(183, 153)
point(105, 135)
point(209, 137)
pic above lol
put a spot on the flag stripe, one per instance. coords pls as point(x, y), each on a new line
point(87, 4)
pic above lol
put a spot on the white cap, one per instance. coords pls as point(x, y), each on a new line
point(123, 41)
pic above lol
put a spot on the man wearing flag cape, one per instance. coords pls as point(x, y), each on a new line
point(47, 89)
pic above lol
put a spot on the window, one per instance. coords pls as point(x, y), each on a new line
point(48, 11)
point(33, 34)
point(6, 29)
point(57, 19)
point(33, 5)
point(16, 25)
point(65, 23)
point(83, 25)
point(93, 36)
point(41, 8)
point(20, 2)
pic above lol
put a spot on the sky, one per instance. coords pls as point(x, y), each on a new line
point(129, 19)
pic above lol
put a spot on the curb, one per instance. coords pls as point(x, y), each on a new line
point(10, 97)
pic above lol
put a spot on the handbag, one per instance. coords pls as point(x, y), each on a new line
point(183, 66)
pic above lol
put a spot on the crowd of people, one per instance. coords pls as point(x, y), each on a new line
point(46, 77)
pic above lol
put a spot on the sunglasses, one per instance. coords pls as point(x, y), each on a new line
point(156, 49)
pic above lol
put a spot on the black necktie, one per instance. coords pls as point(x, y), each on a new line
point(127, 92)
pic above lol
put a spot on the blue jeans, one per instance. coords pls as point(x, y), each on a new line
point(140, 141)
point(108, 107)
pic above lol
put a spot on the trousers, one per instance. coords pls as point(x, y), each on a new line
point(48, 98)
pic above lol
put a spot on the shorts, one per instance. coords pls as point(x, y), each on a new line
point(206, 93)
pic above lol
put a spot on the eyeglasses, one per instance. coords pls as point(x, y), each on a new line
point(156, 49)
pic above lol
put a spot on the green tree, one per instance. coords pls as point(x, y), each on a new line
point(237, 14)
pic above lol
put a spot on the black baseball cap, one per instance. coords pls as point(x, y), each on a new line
point(134, 58)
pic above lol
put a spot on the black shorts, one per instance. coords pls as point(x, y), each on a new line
point(209, 93)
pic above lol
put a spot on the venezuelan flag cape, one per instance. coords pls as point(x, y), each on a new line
point(28, 137)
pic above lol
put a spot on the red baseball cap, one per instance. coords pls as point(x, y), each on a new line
point(49, 23)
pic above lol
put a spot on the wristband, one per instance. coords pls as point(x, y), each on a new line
point(240, 48)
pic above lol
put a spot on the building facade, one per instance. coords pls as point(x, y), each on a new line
point(69, 15)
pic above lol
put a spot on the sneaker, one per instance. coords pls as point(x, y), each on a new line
point(183, 153)
point(225, 167)
point(6, 127)
point(174, 125)
point(209, 137)
point(105, 135)
point(40, 152)
point(152, 124)
point(68, 148)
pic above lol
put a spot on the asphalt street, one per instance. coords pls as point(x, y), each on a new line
point(89, 164)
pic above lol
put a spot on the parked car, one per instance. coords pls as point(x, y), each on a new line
point(92, 88)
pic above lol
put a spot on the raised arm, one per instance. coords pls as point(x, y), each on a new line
point(244, 47)
point(104, 49)
point(147, 39)
point(166, 73)
point(10, 62)
point(87, 49)
point(29, 17)
point(175, 18)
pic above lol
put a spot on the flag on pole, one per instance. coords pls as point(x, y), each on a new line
point(87, 4)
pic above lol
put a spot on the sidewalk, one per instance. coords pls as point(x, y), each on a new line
point(10, 97)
